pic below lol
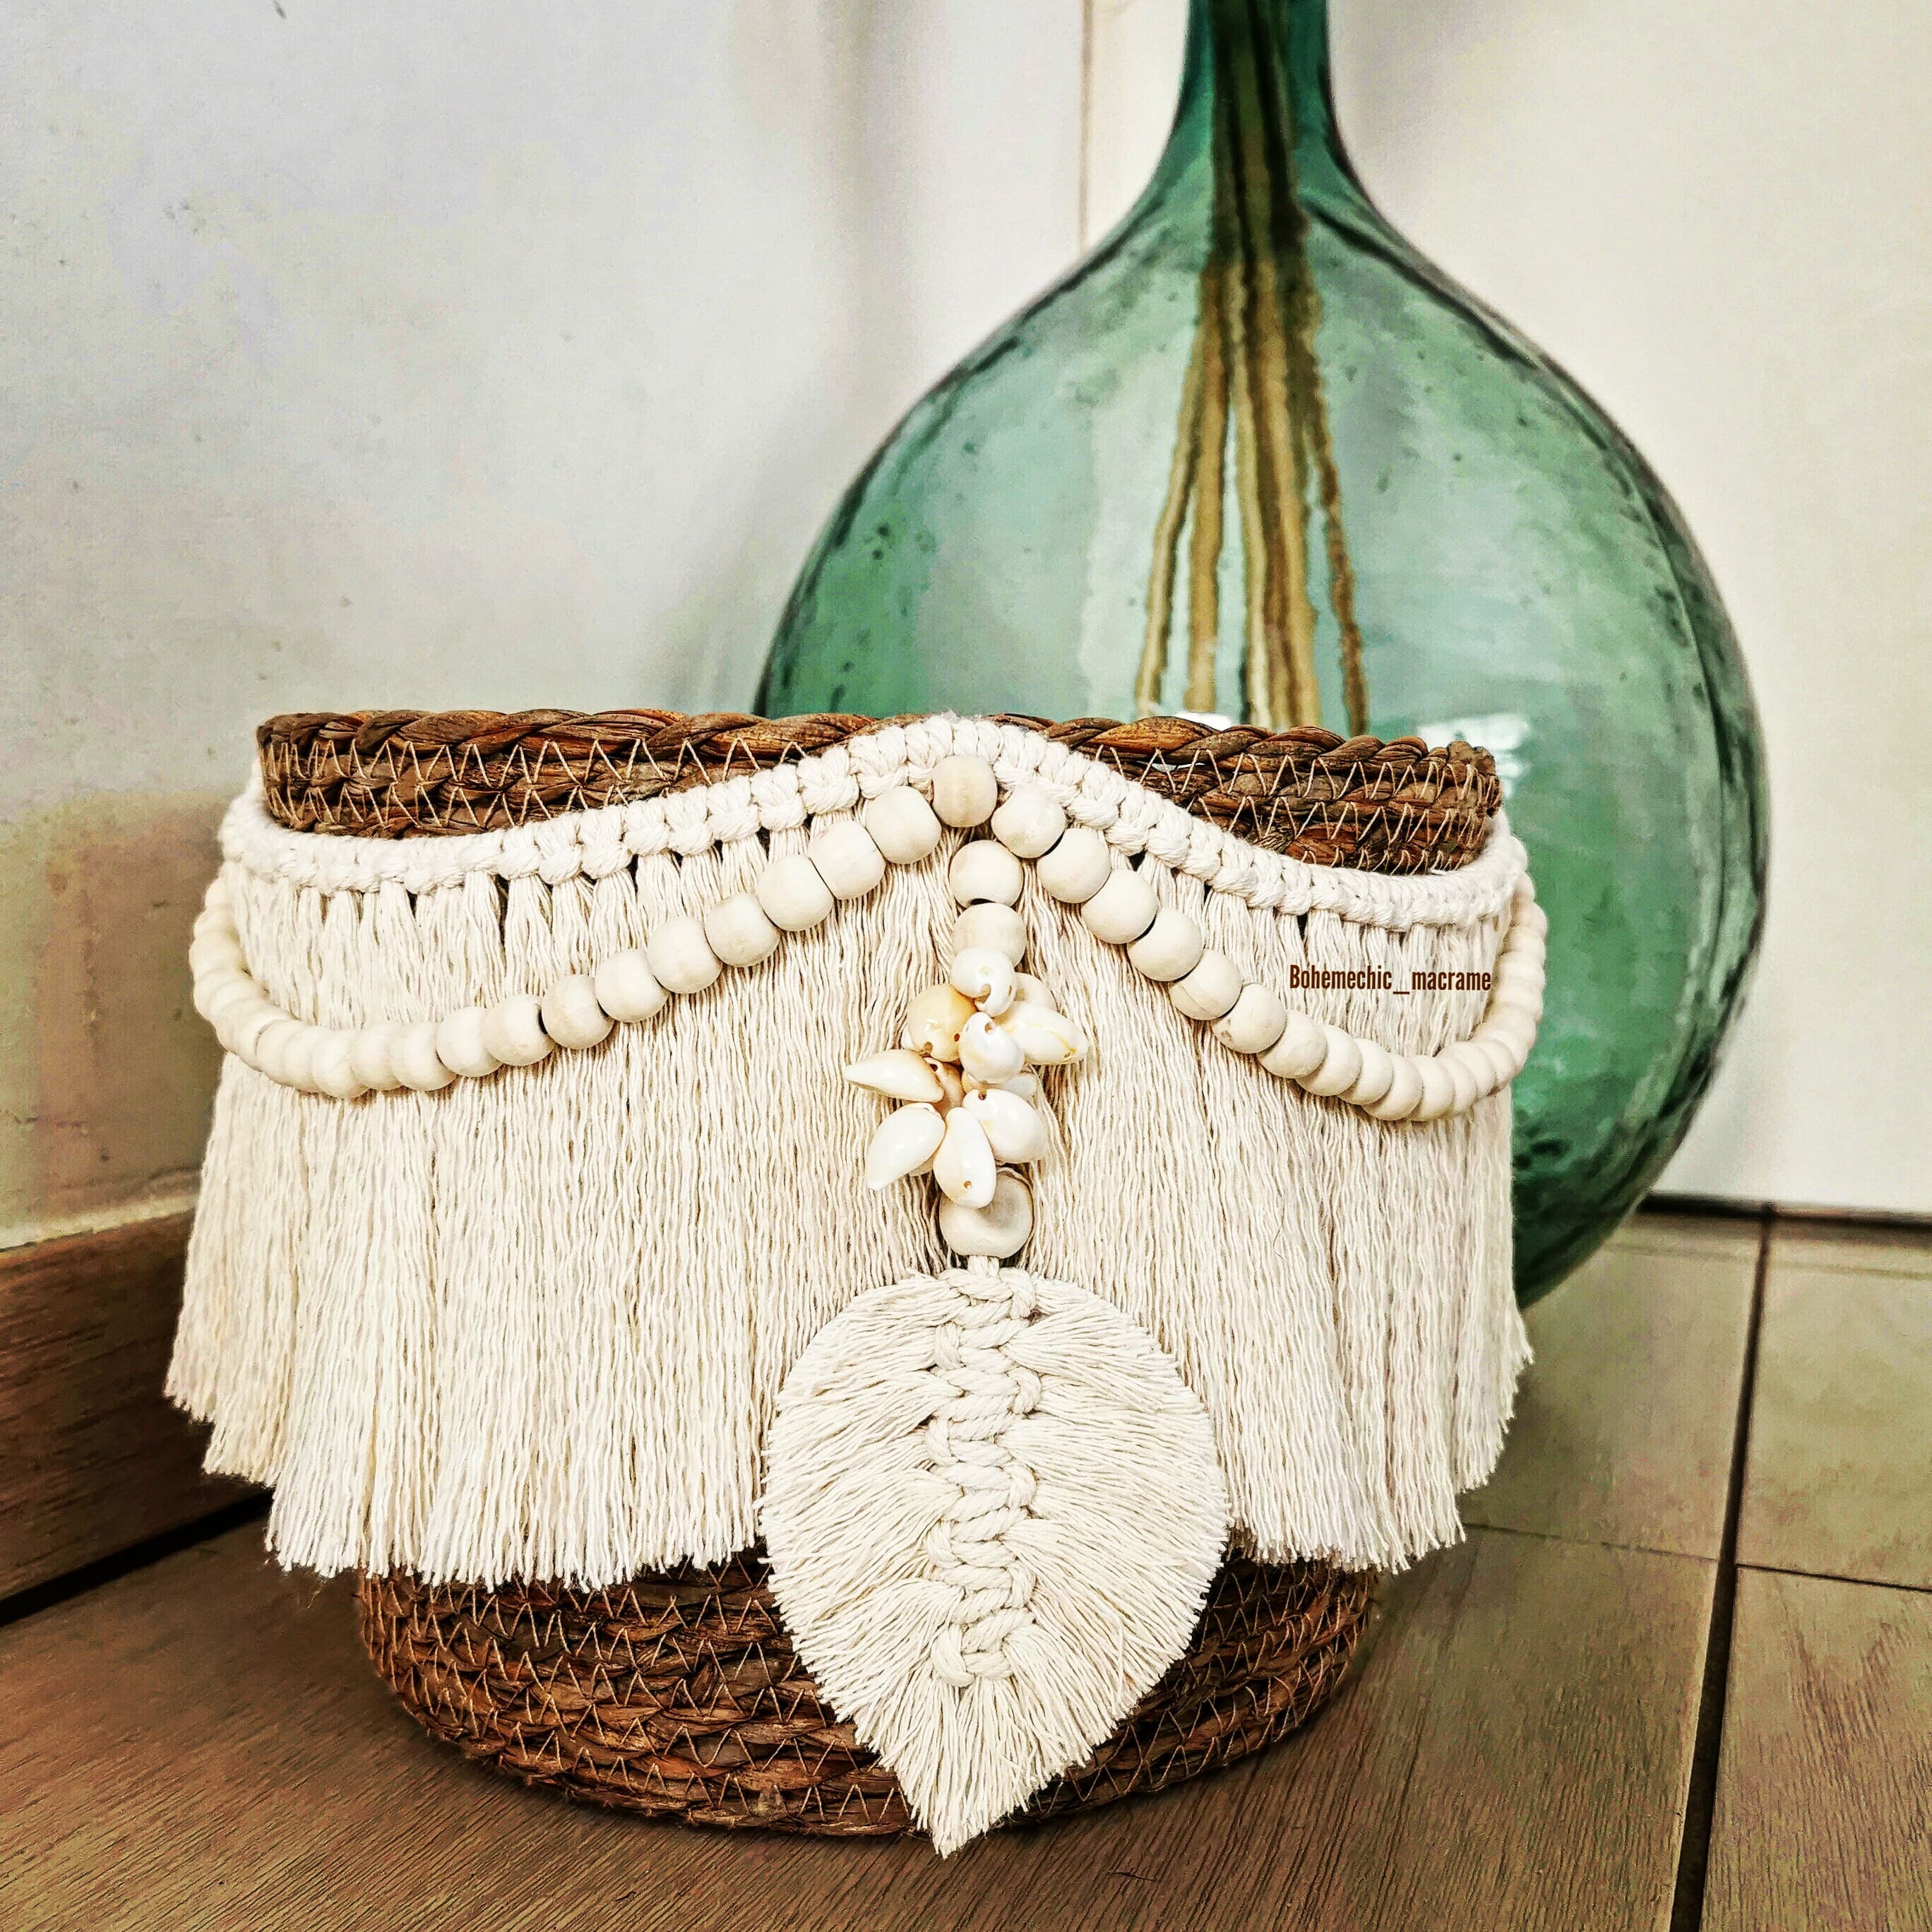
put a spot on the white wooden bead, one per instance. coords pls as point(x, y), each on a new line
point(1516, 1029)
point(739, 932)
point(999, 1230)
point(903, 826)
point(1255, 1022)
point(372, 1057)
point(415, 1058)
point(795, 898)
point(1122, 910)
point(964, 791)
point(1211, 990)
point(848, 859)
point(215, 992)
point(1439, 1089)
point(1077, 867)
point(1341, 1064)
point(626, 987)
point(571, 1015)
point(214, 952)
point(513, 1030)
point(1170, 948)
point(1027, 823)
point(1405, 1090)
point(244, 1025)
point(680, 957)
point(459, 1045)
point(1504, 1063)
point(1300, 1050)
point(998, 928)
point(298, 1058)
point(1482, 1070)
point(984, 873)
point(216, 899)
point(333, 1065)
point(1469, 1088)
point(1377, 1076)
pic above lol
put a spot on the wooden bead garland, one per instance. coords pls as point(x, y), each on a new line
point(846, 858)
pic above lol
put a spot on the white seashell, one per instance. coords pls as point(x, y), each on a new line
point(1341, 1065)
point(414, 1057)
point(372, 1057)
point(998, 927)
point(905, 1143)
point(794, 897)
point(1210, 990)
point(903, 826)
point(571, 1015)
point(626, 987)
point(963, 1166)
point(933, 1021)
point(986, 1053)
point(1026, 987)
point(1047, 1038)
point(984, 871)
point(1122, 910)
point(1255, 1022)
point(680, 957)
point(848, 859)
point(1170, 948)
point(948, 1077)
point(332, 1067)
point(1026, 1085)
point(739, 932)
point(985, 977)
point(1299, 1049)
point(1077, 867)
point(1016, 1132)
point(1405, 1090)
point(898, 1074)
point(964, 790)
point(1377, 1076)
point(459, 1045)
point(999, 1230)
point(513, 1031)
point(1028, 823)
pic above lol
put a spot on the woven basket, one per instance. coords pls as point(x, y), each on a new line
point(679, 1693)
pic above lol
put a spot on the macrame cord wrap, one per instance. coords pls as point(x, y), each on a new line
point(568, 1213)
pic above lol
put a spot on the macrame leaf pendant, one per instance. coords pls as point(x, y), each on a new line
point(993, 1510)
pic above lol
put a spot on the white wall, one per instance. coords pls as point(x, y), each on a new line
point(493, 354)
point(1717, 215)
point(501, 355)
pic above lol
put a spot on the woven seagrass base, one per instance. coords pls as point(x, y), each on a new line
point(679, 1695)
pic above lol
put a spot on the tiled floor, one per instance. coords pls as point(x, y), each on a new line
point(1535, 1741)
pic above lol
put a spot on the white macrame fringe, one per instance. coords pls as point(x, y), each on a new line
point(535, 1326)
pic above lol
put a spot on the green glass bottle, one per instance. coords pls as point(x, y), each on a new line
point(1255, 458)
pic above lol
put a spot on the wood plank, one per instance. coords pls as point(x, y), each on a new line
point(1511, 1756)
point(1840, 1464)
point(97, 1460)
point(1858, 1247)
point(1626, 1420)
point(1823, 1813)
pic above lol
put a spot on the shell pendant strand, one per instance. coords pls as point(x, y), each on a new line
point(993, 1509)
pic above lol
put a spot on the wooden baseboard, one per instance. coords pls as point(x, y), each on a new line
point(96, 1460)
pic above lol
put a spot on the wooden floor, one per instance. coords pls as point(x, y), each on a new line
point(1681, 1672)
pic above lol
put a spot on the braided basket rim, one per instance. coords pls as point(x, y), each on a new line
point(1388, 805)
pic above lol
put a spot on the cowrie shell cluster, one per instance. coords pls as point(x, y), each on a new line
point(968, 1110)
